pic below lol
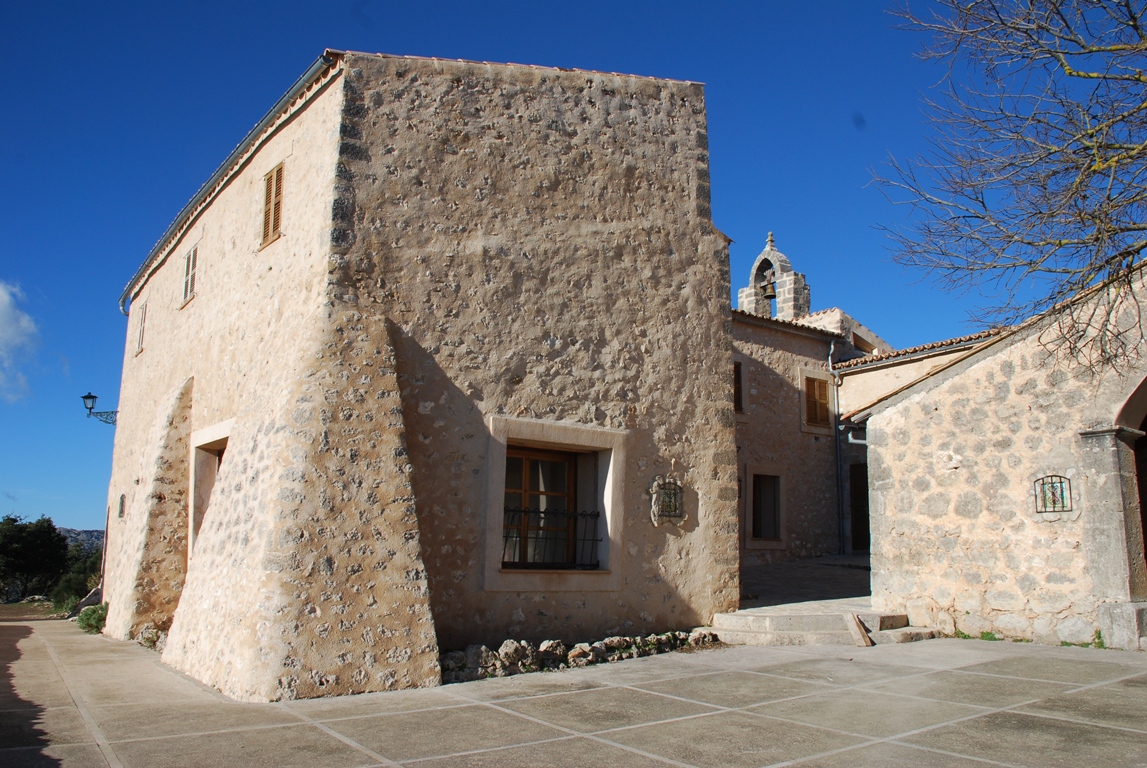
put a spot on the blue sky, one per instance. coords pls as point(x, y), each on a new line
point(117, 112)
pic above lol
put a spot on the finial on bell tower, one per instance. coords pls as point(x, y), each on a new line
point(770, 244)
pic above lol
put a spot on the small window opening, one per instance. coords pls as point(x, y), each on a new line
point(122, 504)
point(738, 392)
point(1053, 494)
point(863, 344)
point(140, 327)
point(272, 205)
point(189, 263)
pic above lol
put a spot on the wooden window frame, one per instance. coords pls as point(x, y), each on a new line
point(526, 528)
point(604, 451)
point(190, 262)
point(272, 205)
point(817, 401)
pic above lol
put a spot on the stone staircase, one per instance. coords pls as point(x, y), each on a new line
point(829, 622)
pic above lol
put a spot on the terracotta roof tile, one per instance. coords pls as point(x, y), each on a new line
point(935, 345)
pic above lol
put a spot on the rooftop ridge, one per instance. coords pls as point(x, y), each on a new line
point(522, 66)
point(787, 323)
point(934, 345)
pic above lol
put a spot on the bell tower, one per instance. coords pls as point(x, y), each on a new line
point(774, 290)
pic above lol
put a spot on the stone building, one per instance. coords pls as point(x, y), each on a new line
point(794, 470)
point(441, 355)
point(419, 296)
point(1006, 490)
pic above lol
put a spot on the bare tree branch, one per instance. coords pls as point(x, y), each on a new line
point(1035, 188)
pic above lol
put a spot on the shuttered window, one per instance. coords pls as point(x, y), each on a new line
point(140, 328)
point(816, 403)
point(189, 263)
point(272, 204)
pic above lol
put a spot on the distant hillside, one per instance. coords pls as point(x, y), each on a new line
point(92, 540)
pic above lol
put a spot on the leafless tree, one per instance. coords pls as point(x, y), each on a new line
point(1034, 189)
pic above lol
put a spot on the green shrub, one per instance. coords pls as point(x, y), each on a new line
point(989, 635)
point(92, 618)
point(66, 605)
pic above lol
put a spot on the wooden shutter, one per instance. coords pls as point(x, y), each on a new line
point(273, 204)
point(194, 258)
point(816, 403)
point(277, 206)
point(268, 200)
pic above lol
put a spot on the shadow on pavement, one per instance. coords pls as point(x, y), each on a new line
point(798, 581)
point(19, 718)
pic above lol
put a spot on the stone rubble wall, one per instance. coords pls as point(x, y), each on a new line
point(542, 241)
point(248, 337)
point(957, 541)
point(146, 568)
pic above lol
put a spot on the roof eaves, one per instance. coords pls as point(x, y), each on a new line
point(329, 58)
point(787, 325)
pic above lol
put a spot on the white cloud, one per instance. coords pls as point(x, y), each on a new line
point(17, 333)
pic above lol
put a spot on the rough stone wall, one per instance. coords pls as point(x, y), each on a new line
point(957, 540)
point(315, 526)
point(147, 561)
point(542, 241)
point(769, 438)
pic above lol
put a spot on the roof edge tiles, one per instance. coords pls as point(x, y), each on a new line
point(934, 346)
point(324, 64)
point(789, 325)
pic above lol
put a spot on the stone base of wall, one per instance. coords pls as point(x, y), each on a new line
point(1124, 625)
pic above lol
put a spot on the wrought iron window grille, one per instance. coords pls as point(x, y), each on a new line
point(1053, 494)
point(550, 539)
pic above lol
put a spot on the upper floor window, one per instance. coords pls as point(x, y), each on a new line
point(140, 327)
point(272, 205)
point(189, 262)
point(817, 413)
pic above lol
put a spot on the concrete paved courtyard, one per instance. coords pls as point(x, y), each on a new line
point(70, 699)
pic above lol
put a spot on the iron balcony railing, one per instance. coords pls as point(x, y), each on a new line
point(550, 539)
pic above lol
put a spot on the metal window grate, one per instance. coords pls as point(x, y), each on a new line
point(1053, 494)
point(557, 540)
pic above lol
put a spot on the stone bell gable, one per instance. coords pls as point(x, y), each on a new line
point(773, 282)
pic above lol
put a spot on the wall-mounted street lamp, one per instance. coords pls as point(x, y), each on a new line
point(107, 417)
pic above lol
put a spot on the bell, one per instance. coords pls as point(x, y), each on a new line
point(769, 291)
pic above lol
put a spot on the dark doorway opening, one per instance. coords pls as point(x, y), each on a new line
point(1141, 480)
point(858, 498)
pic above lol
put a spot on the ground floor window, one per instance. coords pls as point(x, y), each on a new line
point(554, 508)
point(543, 525)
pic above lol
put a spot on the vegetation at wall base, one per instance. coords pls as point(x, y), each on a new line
point(92, 618)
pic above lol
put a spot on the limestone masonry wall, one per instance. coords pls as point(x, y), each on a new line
point(542, 242)
point(957, 539)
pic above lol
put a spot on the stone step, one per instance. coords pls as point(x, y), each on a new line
point(805, 622)
point(903, 635)
point(780, 622)
point(758, 637)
